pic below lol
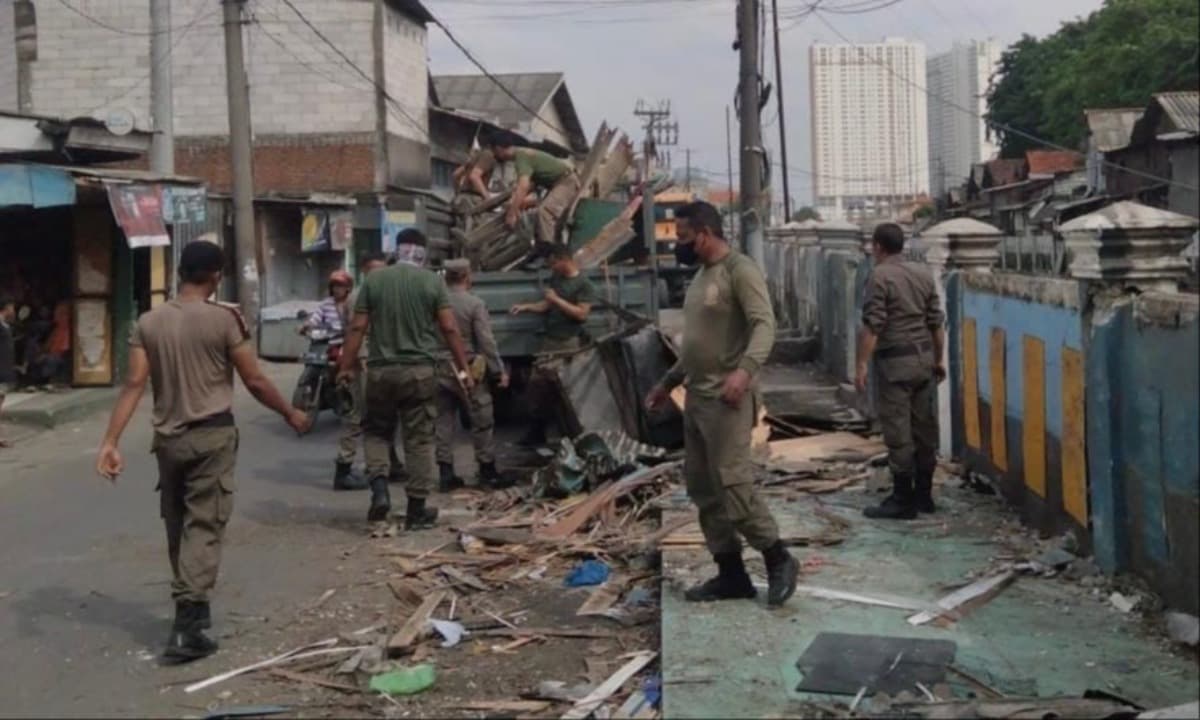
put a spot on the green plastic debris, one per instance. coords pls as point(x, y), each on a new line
point(408, 681)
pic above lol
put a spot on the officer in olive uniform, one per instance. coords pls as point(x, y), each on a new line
point(902, 330)
point(188, 348)
point(475, 325)
point(407, 311)
point(728, 333)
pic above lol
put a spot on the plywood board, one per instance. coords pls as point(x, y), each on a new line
point(971, 385)
point(1033, 413)
point(828, 445)
point(998, 387)
point(1074, 450)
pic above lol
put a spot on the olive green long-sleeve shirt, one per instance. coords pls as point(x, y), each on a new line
point(729, 324)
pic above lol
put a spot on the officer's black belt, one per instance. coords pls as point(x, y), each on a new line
point(223, 419)
point(899, 351)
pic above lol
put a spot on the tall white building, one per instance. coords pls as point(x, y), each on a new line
point(959, 80)
point(869, 125)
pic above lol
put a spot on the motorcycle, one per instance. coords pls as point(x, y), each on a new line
point(316, 390)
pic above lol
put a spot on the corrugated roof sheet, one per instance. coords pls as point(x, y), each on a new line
point(1183, 109)
point(1005, 171)
point(1053, 162)
point(1112, 128)
point(478, 94)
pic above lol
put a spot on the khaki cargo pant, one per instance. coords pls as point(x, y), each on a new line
point(196, 485)
point(404, 395)
point(554, 206)
point(479, 412)
point(906, 401)
point(352, 423)
point(719, 475)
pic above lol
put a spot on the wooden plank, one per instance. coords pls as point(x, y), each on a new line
point(588, 704)
point(602, 598)
point(980, 590)
point(458, 577)
point(547, 632)
point(313, 680)
point(999, 398)
point(970, 358)
point(503, 706)
point(1033, 414)
point(1074, 434)
point(602, 497)
point(826, 445)
point(415, 625)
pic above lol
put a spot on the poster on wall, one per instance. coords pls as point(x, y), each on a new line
point(341, 230)
point(184, 205)
point(314, 231)
point(392, 222)
point(93, 343)
point(138, 210)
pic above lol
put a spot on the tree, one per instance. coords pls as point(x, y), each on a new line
point(806, 213)
point(1118, 56)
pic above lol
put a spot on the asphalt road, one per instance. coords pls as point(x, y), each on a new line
point(84, 598)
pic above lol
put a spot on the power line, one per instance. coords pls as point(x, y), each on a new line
point(122, 31)
point(1002, 126)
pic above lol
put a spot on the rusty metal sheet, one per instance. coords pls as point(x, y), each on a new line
point(1074, 451)
point(1033, 414)
point(971, 385)
point(998, 387)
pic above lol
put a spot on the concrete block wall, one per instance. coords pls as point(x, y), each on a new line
point(406, 75)
point(8, 57)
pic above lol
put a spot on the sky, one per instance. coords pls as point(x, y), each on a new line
point(615, 52)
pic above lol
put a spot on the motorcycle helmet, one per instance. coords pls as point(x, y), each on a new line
point(340, 277)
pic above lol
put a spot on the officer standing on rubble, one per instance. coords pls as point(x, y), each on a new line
point(902, 330)
point(483, 355)
point(566, 305)
point(407, 311)
point(728, 333)
point(537, 170)
point(188, 348)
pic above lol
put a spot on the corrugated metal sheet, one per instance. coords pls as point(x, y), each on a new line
point(1112, 128)
point(480, 95)
point(1183, 109)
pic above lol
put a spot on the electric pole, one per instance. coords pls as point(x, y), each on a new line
point(237, 88)
point(162, 145)
point(749, 95)
point(658, 133)
point(687, 153)
point(729, 172)
point(783, 170)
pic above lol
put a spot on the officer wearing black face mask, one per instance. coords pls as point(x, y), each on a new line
point(685, 254)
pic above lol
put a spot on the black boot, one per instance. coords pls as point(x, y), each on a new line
point(203, 616)
point(491, 478)
point(419, 517)
point(188, 641)
point(899, 505)
point(731, 583)
point(381, 500)
point(923, 496)
point(396, 471)
point(447, 480)
point(344, 478)
point(782, 572)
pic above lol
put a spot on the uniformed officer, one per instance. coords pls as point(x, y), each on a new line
point(902, 330)
point(728, 333)
point(537, 170)
point(407, 311)
point(189, 347)
point(565, 305)
point(475, 325)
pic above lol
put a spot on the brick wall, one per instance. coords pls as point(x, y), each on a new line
point(285, 164)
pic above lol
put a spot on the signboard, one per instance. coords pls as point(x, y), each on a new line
point(392, 222)
point(314, 231)
point(138, 210)
point(184, 205)
point(341, 230)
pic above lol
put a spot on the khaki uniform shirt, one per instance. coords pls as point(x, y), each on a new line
point(901, 304)
point(728, 324)
point(476, 327)
point(189, 344)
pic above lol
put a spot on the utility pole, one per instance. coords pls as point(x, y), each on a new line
point(162, 145)
point(237, 88)
point(658, 133)
point(687, 152)
point(729, 170)
point(783, 169)
point(751, 131)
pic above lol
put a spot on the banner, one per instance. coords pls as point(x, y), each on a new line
point(341, 230)
point(392, 222)
point(138, 210)
point(184, 205)
point(314, 231)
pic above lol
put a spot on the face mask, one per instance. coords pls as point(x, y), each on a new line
point(685, 254)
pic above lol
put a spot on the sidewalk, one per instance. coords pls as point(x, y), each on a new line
point(52, 409)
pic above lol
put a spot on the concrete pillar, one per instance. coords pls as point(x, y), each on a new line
point(1130, 245)
point(839, 236)
point(841, 253)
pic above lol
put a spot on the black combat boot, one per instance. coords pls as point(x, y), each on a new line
point(782, 572)
point(899, 505)
point(344, 478)
point(381, 500)
point(731, 583)
point(203, 616)
point(188, 641)
point(923, 497)
point(447, 480)
point(419, 517)
point(491, 478)
point(396, 471)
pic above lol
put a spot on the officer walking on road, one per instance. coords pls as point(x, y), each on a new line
point(483, 355)
point(728, 333)
point(903, 331)
point(407, 311)
point(188, 348)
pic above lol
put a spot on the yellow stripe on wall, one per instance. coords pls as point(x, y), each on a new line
point(970, 385)
point(996, 366)
point(1033, 416)
point(1074, 453)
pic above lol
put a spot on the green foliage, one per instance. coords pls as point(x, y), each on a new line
point(1116, 57)
point(806, 213)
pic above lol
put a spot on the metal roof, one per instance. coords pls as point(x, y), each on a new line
point(1182, 108)
point(1112, 128)
point(480, 95)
